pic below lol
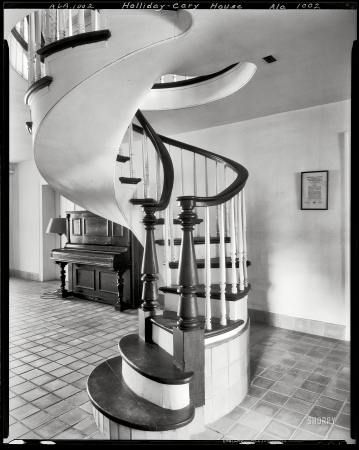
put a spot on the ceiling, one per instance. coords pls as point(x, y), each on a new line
point(313, 67)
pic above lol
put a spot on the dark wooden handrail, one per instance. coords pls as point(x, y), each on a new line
point(233, 189)
point(191, 81)
point(20, 39)
point(165, 159)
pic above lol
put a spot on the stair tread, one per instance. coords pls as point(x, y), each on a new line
point(109, 393)
point(152, 361)
point(169, 320)
point(201, 263)
point(215, 291)
point(197, 240)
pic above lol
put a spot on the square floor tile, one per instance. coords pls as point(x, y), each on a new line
point(254, 420)
point(241, 432)
point(268, 409)
point(24, 411)
point(279, 429)
point(52, 429)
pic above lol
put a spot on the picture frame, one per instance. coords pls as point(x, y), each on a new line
point(314, 190)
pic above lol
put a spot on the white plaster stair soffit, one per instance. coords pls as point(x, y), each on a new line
point(200, 93)
point(104, 79)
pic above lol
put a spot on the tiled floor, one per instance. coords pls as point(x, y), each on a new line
point(54, 345)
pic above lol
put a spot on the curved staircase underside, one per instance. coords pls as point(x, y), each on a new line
point(80, 121)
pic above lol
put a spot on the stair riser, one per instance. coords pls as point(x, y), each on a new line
point(199, 249)
point(115, 431)
point(235, 310)
point(162, 338)
point(215, 275)
point(165, 395)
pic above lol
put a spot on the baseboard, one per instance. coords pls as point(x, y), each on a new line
point(25, 275)
point(316, 327)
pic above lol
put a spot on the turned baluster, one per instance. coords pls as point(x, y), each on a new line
point(81, 21)
point(222, 265)
point(187, 270)
point(207, 241)
point(47, 36)
point(149, 263)
point(37, 15)
point(240, 242)
point(31, 47)
point(70, 22)
point(244, 223)
point(218, 206)
point(167, 248)
point(233, 249)
point(60, 24)
point(226, 205)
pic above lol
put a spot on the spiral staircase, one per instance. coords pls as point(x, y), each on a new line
point(90, 98)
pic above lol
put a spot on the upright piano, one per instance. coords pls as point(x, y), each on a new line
point(103, 261)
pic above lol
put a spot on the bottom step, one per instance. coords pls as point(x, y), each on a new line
point(119, 410)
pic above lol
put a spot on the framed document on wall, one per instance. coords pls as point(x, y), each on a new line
point(314, 187)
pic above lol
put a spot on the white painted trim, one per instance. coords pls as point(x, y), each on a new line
point(169, 396)
point(223, 337)
point(162, 338)
point(347, 231)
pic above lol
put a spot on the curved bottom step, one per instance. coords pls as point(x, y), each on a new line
point(121, 414)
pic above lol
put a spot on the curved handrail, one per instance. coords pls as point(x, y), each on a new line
point(222, 197)
point(20, 39)
point(191, 81)
point(165, 159)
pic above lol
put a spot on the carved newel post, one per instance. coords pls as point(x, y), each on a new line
point(187, 270)
point(150, 306)
point(188, 337)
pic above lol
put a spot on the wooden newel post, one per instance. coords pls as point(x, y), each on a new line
point(187, 269)
point(188, 337)
point(150, 306)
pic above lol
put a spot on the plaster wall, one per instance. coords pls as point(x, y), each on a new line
point(298, 257)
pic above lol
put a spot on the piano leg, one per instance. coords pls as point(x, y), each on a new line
point(64, 291)
point(121, 305)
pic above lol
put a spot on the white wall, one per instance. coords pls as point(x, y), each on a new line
point(297, 256)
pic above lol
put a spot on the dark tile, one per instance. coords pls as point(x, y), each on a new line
point(52, 429)
point(236, 413)
point(262, 382)
point(34, 394)
point(313, 387)
point(78, 399)
point(320, 379)
point(283, 388)
point(290, 417)
point(59, 408)
point(24, 411)
point(298, 405)
point(281, 430)
point(73, 416)
point(54, 384)
point(298, 373)
point(346, 409)
point(275, 398)
point(86, 426)
point(248, 402)
point(343, 420)
point(47, 400)
point(277, 367)
point(339, 384)
point(23, 387)
point(306, 395)
point(255, 391)
point(316, 426)
point(335, 393)
point(291, 381)
point(320, 412)
point(70, 434)
point(268, 409)
point(37, 419)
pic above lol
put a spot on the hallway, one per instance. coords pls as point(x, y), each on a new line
point(55, 344)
